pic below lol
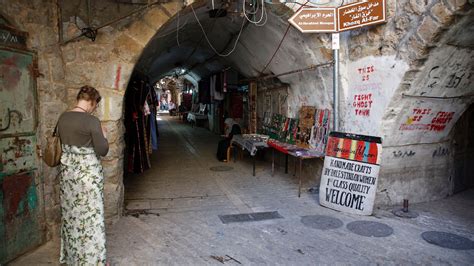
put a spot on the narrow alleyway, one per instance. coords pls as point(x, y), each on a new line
point(173, 217)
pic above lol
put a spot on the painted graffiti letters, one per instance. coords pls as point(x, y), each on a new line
point(425, 120)
point(365, 71)
point(434, 76)
point(419, 111)
point(452, 80)
point(441, 120)
point(362, 104)
point(371, 83)
point(440, 152)
point(418, 114)
point(403, 154)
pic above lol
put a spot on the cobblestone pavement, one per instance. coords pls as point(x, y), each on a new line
point(173, 217)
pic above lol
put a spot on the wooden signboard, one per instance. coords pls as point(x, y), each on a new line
point(361, 14)
point(309, 20)
point(330, 19)
point(350, 173)
point(306, 123)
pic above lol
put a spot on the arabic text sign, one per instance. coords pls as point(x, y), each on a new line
point(350, 173)
point(315, 20)
point(361, 14)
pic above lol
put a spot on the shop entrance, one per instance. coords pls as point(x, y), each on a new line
point(464, 152)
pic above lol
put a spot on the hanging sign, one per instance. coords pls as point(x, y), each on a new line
point(350, 173)
point(330, 19)
point(361, 14)
point(309, 20)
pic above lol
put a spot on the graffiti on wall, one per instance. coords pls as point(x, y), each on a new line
point(362, 104)
point(441, 152)
point(440, 77)
point(403, 153)
point(439, 90)
point(15, 79)
point(371, 83)
point(425, 119)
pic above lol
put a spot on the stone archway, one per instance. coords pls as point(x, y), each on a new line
point(107, 64)
point(433, 94)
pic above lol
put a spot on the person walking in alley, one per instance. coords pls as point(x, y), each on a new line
point(82, 182)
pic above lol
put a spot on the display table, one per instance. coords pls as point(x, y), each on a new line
point(193, 118)
point(292, 150)
point(252, 143)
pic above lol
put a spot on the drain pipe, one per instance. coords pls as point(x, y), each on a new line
point(335, 47)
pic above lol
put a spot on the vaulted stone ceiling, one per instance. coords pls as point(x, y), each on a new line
point(164, 55)
point(171, 50)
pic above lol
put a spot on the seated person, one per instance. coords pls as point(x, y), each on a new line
point(225, 143)
point(228, 123)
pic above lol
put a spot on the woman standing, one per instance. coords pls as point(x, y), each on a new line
point(82, 182)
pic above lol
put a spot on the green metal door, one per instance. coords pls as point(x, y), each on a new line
point(21, 211)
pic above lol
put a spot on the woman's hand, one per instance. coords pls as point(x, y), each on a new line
point(104, 131)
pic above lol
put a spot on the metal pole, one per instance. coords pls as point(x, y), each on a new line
point(336, 90)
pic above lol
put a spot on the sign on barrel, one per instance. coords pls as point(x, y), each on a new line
point(350, 173)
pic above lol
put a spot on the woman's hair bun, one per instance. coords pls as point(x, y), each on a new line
point(89, 93)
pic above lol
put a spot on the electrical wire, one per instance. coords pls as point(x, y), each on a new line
point(263, 11)
point(111, 22)
point(202, 37)
point(254, 6)
point(316, 4)
point(177, 29)
point(209, 42)
point(282, 39)
point(266, 19)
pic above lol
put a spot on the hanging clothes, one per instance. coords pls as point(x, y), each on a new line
point(224, 81)
point(215, 85)
point(154, 132)
point(137, 125)
point(204, 91)
point(218, 78)
point(212, 86)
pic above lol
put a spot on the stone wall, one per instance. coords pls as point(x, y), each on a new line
point(426, 37)
point(419, 41)
point(105, 64)
point(39, 19)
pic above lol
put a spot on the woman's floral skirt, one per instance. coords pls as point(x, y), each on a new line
point(82, 207)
